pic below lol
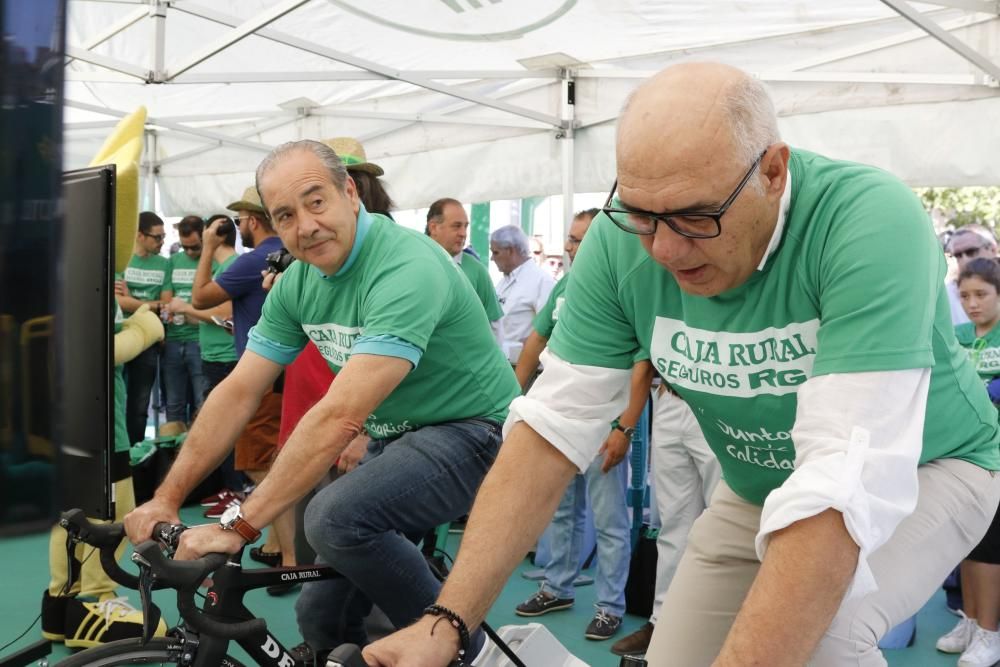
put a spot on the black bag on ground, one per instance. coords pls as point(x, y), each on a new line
point(640, 589)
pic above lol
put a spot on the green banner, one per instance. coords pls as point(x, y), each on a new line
point(479, 234)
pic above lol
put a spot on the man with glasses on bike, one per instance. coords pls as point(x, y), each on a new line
point(858, 448)
point(417, 368)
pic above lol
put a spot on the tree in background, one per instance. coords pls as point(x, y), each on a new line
point(954, 207)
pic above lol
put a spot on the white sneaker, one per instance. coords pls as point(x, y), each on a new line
point(958, 639)
point(983, 651)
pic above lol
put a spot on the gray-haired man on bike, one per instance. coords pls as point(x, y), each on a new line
point(417, 369)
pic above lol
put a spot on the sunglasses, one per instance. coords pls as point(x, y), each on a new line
point(970, 253)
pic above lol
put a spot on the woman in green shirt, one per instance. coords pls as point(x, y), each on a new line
point(975, 635)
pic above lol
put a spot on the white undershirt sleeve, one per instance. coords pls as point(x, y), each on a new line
point(572, 406)
point(858, 439)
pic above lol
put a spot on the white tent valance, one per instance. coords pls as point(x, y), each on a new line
point(491, 99)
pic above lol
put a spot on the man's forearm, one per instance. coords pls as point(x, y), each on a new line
point(224, 311)
point(201, 296)
point(220, 422)
point(130, 304)
point(527, 363)
point(527, 481)
point(203, 272)
point(801, 583)
point(642, 379)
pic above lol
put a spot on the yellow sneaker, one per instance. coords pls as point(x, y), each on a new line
point(94, 623)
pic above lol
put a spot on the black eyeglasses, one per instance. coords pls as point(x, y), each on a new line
point(690, 223)
point(191, 248)
point(970, 253)
point(155, 237)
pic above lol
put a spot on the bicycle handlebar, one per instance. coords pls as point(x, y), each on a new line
point(185, 577)
point(105, 537)
point(345, 655)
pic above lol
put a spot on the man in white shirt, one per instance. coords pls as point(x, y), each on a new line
point(522, 291)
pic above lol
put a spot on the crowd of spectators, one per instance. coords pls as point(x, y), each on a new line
point(368, 365)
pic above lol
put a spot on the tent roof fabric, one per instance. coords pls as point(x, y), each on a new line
point(468, 98)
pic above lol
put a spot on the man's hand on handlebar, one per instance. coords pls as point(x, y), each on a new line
point(209, 539)
point(140, 521)
point(415, 646)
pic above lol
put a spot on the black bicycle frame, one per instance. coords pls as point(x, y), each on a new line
point(224, 602)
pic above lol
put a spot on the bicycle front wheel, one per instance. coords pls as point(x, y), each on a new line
point(159, 651)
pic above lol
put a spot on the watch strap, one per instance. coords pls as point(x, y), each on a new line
point(242, 527)
point(627, 430)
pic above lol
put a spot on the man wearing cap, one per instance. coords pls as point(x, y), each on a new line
point(448, 224)
point(366, 175)
point(241, 283)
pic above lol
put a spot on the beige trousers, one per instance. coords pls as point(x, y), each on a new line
point(956, 505)
point(93, 581)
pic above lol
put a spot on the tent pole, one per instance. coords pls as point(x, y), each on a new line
point(566, 134)
point(150, 170)
point(158, 12)
point(980, 60)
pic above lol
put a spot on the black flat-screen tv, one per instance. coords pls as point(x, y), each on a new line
point(85, 333)
point(31, 88)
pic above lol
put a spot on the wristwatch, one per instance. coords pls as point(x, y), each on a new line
point(627, 430)
point(232, 519)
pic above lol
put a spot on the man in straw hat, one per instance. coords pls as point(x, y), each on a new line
point(366, 175)
point(417, 369)
point(859, 450)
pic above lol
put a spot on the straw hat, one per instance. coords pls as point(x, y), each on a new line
point(249, 202)
point(352, 154)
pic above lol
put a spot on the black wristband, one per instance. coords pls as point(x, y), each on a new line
point(456, 622)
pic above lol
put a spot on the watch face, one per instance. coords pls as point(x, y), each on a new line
point(230, 515)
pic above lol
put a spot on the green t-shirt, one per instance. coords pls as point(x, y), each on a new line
point(217, 344)
point(545, 320)
point(147, 276)
point(856, 284)
point(480, 279)
point(121, 431)
point(182, 270)
point(398, 285)
point(984, 352)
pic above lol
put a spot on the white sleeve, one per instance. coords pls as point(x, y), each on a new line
point(858, 439)
point(572, 406)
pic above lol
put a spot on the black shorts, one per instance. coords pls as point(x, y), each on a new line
point(988, 549)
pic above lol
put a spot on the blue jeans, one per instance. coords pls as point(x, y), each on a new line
point(140, 376)
point(611, 523)
point(182, 363)
point(366, 524)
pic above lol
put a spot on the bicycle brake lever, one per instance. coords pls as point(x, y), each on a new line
point(150, 612)
point(70, 547)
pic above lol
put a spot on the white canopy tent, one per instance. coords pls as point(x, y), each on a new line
point(499, 99)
